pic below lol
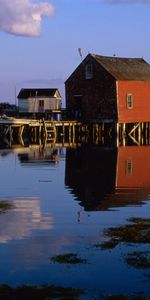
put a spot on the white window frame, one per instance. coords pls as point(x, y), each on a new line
point(129, 101)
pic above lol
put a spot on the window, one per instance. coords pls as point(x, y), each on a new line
point(41, 103)
point(129, 101)
point(89, 70)
point(129, 167)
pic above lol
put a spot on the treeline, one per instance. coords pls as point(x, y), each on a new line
point(8, 109)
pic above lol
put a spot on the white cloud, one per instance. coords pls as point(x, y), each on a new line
point(23, 17)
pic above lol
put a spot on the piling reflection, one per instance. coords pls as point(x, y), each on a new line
point(99, 178)
point(103, 178)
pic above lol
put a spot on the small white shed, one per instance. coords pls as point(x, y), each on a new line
point(39, 100)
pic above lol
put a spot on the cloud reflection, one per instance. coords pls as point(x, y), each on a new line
point(25, 217)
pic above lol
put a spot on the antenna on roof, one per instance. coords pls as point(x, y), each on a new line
point(80, 53)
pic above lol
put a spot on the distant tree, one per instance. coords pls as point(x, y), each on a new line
point(7, 108)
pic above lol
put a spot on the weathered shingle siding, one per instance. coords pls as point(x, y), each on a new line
point(98, 101)
point(104, 97)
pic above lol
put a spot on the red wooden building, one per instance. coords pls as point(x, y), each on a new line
point(110, 90)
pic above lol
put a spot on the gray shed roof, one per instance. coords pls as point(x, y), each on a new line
point(125, 68)
point(36, 92)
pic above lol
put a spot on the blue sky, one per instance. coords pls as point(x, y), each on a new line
point(40, 39)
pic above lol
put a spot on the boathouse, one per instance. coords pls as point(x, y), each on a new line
point(39, 101)
point(109, 90)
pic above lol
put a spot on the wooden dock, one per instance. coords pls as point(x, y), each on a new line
point(37, 130)
point(13, 130)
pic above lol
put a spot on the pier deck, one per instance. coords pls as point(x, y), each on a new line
point(37, 129)
point(43, 131)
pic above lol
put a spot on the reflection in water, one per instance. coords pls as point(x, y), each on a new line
point(133, 167)
point(39, 155)
point(42, 222)
point(24, 217)
point(5, 206)
point(104, 178)
point(35, 154)
point(90, 173)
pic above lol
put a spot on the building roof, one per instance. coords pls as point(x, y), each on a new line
point(36, 92)
point(120, 68)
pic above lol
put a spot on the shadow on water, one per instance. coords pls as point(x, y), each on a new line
point(53, 292)
point(38, 293)
point(102, 178)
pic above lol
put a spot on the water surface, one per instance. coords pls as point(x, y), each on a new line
point(56, 201)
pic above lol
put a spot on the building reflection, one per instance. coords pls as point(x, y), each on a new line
point(35, 154)
point(103, 178)
point(38, 155)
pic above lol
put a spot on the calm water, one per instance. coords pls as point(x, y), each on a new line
point(59, 201)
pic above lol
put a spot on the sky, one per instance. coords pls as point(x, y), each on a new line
point(39, 40)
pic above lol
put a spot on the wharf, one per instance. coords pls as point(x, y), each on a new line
point(43, 131)
point(37, 130)
point(34, 122)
